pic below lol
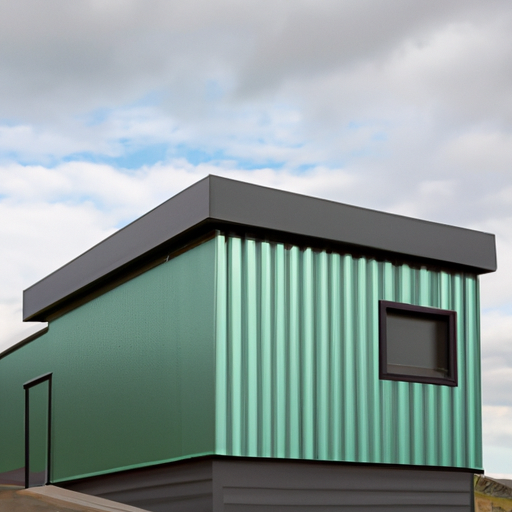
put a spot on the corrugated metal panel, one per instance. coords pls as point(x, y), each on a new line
point(297, 360)
point(178, 487)
point(257, 485)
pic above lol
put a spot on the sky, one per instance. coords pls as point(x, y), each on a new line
point(109, 108)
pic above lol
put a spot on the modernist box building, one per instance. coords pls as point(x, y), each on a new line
point(242, 348)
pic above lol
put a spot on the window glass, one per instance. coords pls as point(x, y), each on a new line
point(417, 343)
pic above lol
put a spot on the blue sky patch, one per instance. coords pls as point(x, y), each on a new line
point(134, 159)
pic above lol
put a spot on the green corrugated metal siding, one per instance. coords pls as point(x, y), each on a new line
point(294, 337)
point(297, 360)
point(133, 376)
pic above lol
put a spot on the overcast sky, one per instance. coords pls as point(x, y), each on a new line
point(107, 108)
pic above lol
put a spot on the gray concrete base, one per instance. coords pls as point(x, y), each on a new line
point(268, 485)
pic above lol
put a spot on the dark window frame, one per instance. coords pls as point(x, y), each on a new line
point(448, 316)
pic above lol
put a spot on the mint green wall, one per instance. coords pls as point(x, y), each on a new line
point(133, 375)
point(297, 360)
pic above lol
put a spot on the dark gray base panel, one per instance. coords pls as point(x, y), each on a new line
point(15, 477)
point(256, 485)
point(181, 487)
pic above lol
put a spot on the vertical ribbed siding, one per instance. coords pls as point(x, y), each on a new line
point(297, 360)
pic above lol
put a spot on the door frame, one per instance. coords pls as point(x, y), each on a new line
point(30, 384)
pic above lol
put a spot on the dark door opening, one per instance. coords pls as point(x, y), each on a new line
point(38, 394)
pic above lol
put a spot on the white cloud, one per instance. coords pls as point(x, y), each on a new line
point(13, 331)
point(497, 358)
point(39, 237)
point(79, 57)
point(497, 435)
point(478, 152)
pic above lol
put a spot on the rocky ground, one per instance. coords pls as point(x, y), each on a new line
point(492, 495)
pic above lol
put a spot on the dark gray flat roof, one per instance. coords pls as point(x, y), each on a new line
point(219, 200)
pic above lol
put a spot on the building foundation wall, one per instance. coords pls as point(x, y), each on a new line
point(238, 485)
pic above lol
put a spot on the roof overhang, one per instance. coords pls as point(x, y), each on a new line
point(216, 201)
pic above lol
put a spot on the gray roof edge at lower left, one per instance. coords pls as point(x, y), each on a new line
point(180, 213)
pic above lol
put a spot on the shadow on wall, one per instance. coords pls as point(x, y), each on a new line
point(491, 495)
point(15, 478)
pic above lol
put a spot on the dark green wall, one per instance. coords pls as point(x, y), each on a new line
point(133, 375)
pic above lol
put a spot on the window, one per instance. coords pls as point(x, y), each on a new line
point(417, 344)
